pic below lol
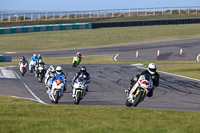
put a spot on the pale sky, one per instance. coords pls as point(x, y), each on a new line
point(79, 5)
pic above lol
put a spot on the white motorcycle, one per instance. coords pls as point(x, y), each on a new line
point(79, 88)
point(139, 90)
point(56, 91)
point(32, 65)
point(23, 68)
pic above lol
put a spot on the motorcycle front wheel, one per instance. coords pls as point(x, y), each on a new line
point(78, 98)
point(56, 97)
point(138, 98)
point(74, 64)
point(128, 104)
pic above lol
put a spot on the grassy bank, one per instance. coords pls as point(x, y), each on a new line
point(24, 116)
point(95, 38)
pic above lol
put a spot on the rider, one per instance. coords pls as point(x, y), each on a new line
point(78, 54)
point(39, 57)
point(41, 63)
point(83, 72)
point(59, 75)
point(23, 59)
point(155, 78)
point(34, 58)
point(49, 74)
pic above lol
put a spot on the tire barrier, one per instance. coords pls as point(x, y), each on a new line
point(5, 58)
point(145, 23)
point(38, 28)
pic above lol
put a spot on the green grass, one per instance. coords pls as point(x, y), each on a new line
point(42, 41)
point(25, 116)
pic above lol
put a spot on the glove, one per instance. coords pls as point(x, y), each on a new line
point(71, 87)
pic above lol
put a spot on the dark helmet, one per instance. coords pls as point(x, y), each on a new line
point(23, 58)
point(83, 69)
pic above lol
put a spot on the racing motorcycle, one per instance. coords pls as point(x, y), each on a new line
point(40, 71)
point(23, 68)
point(139, 90)
point(75, 61)
point(79, 88)
point(55, 93)
point(32, 65)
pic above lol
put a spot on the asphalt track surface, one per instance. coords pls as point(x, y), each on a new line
point(108, 82)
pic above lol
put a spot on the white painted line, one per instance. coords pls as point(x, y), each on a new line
point(25, 98)
point(6, 73)
point(173, 74)
point(138, 64)
point(115, 58)
point(198, 57)
point(38, 99)
point(10, 52)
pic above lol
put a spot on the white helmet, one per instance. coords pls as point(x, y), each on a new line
point(152, 68)
point(53, 70)
point(58, 69)
point(34, 55)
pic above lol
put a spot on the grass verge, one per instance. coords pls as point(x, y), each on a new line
point(25, 116)
point(54, 40)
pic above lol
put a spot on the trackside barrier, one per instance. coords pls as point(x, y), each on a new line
point(5, 58)
point(145, 23)
point(38, 28)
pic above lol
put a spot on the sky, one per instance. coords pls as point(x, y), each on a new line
point(80, 5)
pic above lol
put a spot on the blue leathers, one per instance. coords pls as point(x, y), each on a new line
point(79, 74)
point(34, 59)
point(60, 77)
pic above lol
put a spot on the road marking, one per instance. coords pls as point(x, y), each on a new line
point(115, 58)
point(6, 73)
point(25, 98)
point(198, 57)
point(38, 99)
point(173, 74)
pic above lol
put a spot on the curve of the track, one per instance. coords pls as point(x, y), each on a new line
point(109, 81)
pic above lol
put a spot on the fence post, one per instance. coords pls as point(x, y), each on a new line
point(171, 11)
point(154, 11)
point(145, 11)
point(31, 16)
point(53, 15)
point(97, 14)
point(188, 10)
point(82, 14)
point(90, 14)
point(16, 17)
point(68, 15)
point(9, 18)
point(75, 15)
point(129, 12)
point(112, 13)
point(196, 10)
point(137, 11)
point(105, 13)
point(162, 11)
point(38, 16)
point(61, 14)
point(46, 15)
point(2, 17)
point(179, 11)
